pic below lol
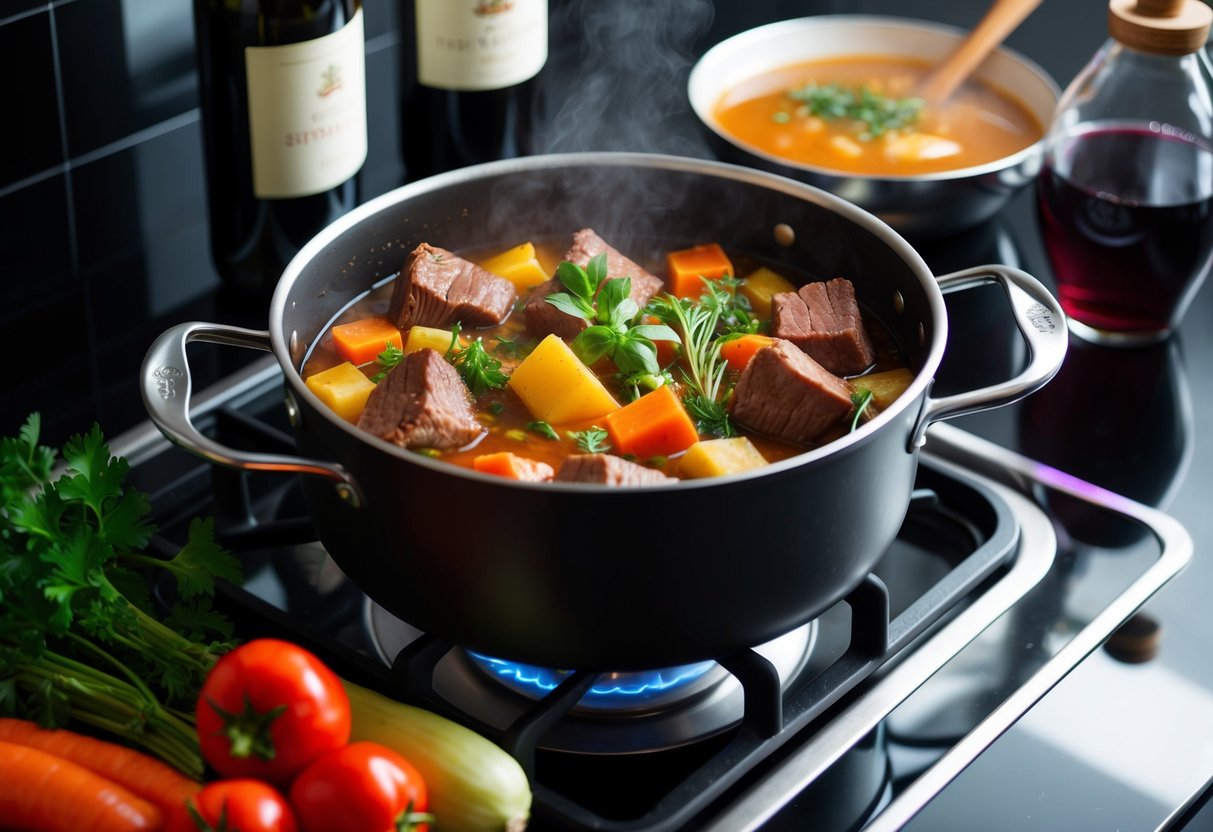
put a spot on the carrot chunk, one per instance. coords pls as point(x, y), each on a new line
point(686, 268)
point(737, 352)
point(656, 424)
point(514, 467)
point(359, 342)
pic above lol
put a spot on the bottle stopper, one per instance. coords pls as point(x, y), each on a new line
point(1161, 27)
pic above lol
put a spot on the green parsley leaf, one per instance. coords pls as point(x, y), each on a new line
point(875, 114)
point(479, 370)
point(389, 358)
point(201, 561)
point(592, 440)
point(542, 428)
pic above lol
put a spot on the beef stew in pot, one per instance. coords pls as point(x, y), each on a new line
point(568, 361)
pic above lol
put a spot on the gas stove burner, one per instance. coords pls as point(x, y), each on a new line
point(638, 690)
point(664, 708)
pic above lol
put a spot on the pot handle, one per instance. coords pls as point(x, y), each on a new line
point(165, 385)
point(1043, 326)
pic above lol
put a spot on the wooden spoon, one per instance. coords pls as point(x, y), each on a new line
point(1000, 21)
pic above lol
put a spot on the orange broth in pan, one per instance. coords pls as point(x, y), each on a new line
point(977, 125)
point(503, 413)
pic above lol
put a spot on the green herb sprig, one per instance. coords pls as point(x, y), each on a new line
point(609, 309)
point(479, 370)
point(875, 113)
point(389, 358)
point(861, 399)
point(79, 637)
point(697, 323)
point(592, 440)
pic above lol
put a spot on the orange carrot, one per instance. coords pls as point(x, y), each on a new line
point(144, 776)
point(656, 424)
point(667, 351)
point(737, 352)
point(360, 342)
point(512, 466)
point(686, 268)
point(41, 791)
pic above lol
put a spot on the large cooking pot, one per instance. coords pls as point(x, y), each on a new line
point(588, 576)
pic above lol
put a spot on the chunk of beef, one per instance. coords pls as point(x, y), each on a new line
point(421, 403)
point(786, 394)
point(823, 320)
point(437, 288)
point(542, 318)
point(608, 470)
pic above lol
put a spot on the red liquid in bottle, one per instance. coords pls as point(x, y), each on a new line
point(1125, 215)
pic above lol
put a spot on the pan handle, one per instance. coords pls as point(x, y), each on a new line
point(165, 385)
point(1043, 326)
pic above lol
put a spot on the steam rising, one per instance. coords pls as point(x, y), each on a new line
point(617, 75)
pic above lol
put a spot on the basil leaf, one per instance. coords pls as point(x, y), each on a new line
point(610, 297)
point(571, 305)
point(594, 342)
point(634, 354)
point(576, 280)
point(596, 270)
point(656, 332)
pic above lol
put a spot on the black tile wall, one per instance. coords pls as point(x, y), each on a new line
point(103, 234)
point(127, 65)
point(31, 141)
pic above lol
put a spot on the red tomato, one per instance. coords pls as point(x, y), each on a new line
point(363, 787)
point(267, 709)
point(235, 806)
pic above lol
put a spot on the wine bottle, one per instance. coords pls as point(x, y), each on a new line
point(469, 81)
point(283, 93)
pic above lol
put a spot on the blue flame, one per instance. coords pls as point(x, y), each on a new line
point(632, 687)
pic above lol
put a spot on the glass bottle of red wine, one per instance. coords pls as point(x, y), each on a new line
point(469, 81)
point(1125, 196)
point(283, 93)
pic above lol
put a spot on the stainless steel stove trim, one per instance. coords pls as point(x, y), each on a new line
point(1013, 477)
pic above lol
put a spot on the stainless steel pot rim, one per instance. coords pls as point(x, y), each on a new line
point(760, 33)
point(912, 396)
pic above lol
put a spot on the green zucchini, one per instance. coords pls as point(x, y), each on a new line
point(474, 785)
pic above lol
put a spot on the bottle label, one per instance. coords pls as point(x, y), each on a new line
point(307, 112)
point(480, 44)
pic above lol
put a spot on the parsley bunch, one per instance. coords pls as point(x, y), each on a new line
point(80, 638)
point(608, 307)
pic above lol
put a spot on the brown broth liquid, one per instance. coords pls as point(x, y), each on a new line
point(506, 430)
point(984, 123)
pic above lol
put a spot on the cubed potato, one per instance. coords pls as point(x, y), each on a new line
point(717, 457)
point(343, 388)
point(919, 147)
point(422, 337)
point(885, 386)
point(557, 388)
point(760, 286)
point(519, 265)
point(846, 147)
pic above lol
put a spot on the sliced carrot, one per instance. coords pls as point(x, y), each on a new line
point(737, 352)
point(514, 467)
point(39, 790)
point(144, 776)
point(360, 342)
point(656, 424)
point(687, 267)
